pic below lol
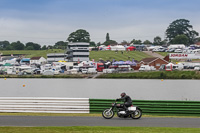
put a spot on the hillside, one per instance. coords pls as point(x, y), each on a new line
point(96, 55)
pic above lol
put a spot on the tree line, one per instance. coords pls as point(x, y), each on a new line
point(179, 31)
point(6, 45)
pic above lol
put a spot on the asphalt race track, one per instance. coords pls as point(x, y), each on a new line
point(38, 121)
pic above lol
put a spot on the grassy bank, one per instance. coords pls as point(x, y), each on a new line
point(85, 129)
point(32, 53)
point(154, 75)
point(44, 76)
point(110, 55)
point(96, 55)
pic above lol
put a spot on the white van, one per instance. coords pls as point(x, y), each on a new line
point(92, 70)
point(74, 71)
point(145, 68)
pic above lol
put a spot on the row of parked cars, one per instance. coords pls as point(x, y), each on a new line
point(168, 50)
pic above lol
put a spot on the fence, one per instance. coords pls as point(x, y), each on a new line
point(44, 105)
point(191, 108)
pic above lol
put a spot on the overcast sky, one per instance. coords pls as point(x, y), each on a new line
point(49, 21)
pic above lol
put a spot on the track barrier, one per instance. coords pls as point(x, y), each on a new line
point(44, 105)
point(151, 107)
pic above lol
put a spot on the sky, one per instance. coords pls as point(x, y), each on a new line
point(49, 21)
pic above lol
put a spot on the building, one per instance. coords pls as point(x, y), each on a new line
point(54, 57)
point(78, 51)
point(155, 61)
point(38, 60)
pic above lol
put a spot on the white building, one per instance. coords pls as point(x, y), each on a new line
point(38, 60)
point(78, 51)
point(54, 57)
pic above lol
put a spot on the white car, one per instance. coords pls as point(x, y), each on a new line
point(178, 51)
point(197, 67)
point(84, 71)
point(92, 70)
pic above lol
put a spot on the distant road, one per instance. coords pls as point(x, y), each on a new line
point(38, 121)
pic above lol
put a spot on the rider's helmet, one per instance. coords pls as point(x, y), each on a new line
point(123, 94)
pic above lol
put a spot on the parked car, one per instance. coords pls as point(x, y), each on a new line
point(74, 71)
point(178, 51)
point(162, 67)
point(92, 70)
point(170, 50)
point(162, 49)
point(197, 68)
point(84, 71)
point(48, 72)
point(109, 71)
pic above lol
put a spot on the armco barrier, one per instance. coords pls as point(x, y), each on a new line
point(44, 105)
point(191, 108)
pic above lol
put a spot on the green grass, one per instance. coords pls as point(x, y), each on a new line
point(110, 55)
point(96, 55)
point(163, 53)
point(154, 75)
point(32, 53)
point(86, 129)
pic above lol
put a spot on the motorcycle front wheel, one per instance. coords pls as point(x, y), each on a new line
point(137, 114)
point(108, 113)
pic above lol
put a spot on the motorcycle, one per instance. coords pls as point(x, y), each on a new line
point(134, 112)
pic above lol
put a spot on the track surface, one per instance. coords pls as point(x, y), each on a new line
point(38, 121)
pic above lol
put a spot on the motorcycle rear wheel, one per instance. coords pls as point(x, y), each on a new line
point(137, 114)
point(108, 113)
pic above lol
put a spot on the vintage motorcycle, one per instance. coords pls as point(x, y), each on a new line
point(134, 112)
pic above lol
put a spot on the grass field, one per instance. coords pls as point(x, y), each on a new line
point(154, 75)
point(32, 53)
point(85, 129)
point(163, 53)
point(110, 55)
point(96, 55)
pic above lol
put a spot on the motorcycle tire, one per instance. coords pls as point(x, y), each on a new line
point(108, 114)
point(137, 114)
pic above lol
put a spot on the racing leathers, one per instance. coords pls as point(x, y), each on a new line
point(127, 102)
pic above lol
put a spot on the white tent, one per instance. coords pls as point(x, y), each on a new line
point(118, 47)
point(175, 46)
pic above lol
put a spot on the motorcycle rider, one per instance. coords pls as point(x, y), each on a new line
point(127, 101)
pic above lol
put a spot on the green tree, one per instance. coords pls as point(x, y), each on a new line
point(31, 45)
point(61, 45)
point(29, 48)
point(92, 44)
point(181, 27)
point(110, 42)
point(157, 40)
point(107, 37)
point(147, 42)
point(136, 41)
point(10, 47)
point(180, 39)
point(44, 47)
point(79, 36)
point(4, 44)
point(17, 45)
